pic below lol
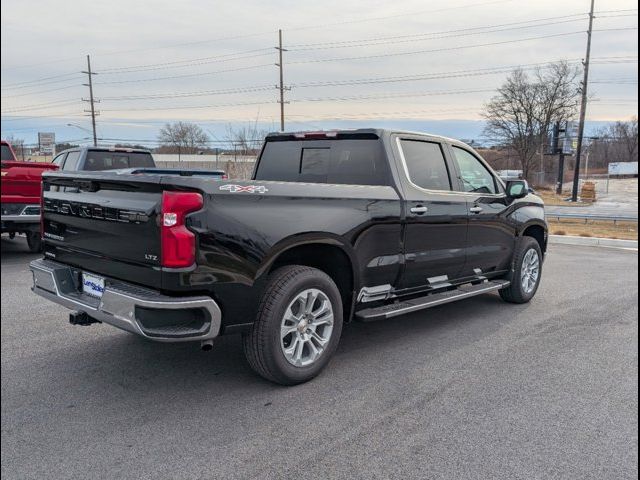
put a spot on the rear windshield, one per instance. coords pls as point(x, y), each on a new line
point(97, 160)
point(6, 153)
point(352, 162)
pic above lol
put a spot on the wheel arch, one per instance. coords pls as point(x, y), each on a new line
point(537, 230)
point(326, 253)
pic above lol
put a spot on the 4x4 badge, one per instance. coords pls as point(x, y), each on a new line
point(245, 188)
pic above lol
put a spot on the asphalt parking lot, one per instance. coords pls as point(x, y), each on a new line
point(479, 389)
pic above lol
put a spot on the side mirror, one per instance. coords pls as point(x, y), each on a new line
point(517, 188)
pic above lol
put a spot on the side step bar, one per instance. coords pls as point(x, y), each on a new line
point(428, 301)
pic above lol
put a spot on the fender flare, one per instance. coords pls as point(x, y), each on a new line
point(309, 238)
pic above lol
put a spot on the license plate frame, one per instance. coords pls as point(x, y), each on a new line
point(92, 284)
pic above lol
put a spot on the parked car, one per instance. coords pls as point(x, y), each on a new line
point(20, 196)
point(334, 226)
point(101, 158)
point(508, 175)
point(134, 160)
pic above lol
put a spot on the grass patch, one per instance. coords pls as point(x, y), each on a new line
point(602, 229)
point(550, 197)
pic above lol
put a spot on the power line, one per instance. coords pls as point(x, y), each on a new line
point(183, 63)
point(348, 82)
point(431, 76)
point(438, 35)
point(185, 44)
point(40, 106)
point(190, 107)
point(159, 96)
point(188, 75)
point(445, 49)
point(375, 80)
point(390, 95)
point(41, 91)
point(52, 82)
point(312, 99)
point(55, 115)
point(17, 84)
point(616, 11)
point(613, 29)
point(386, 17)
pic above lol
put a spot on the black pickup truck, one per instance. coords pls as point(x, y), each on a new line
point(334, 226)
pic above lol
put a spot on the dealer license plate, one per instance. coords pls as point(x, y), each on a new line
point(92, 284)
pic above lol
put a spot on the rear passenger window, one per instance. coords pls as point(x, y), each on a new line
point(71, 163)
point(426, 165)
point(59, 160)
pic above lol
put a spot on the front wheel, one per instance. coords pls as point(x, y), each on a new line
point(526, 271)
point(298, 326)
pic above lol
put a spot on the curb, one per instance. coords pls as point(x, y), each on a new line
point(591, 241)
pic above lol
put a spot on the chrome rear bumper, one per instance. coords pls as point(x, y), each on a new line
point(138, 310)
point(20, 218)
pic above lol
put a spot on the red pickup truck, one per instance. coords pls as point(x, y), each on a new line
point(20, 196)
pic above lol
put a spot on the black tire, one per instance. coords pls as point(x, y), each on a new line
point(34, 242)
point(262, 344)
point(515, 293)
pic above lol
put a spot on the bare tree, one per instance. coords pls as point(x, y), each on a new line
point(521, 113)
point(182, 137)
point(245, 143)
point(18, 146)
point(626, 134)
point(617, 142)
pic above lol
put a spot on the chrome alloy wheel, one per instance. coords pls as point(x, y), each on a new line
point(530, 271)
point(306, 327)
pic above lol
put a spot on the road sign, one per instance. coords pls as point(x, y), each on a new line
point(623, 168)
point(570, 138)
point(47, 142)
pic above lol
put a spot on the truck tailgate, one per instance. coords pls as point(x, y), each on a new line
point(21, 181)
point(108, 227)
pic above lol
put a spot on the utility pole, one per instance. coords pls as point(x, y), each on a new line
point(557, 148)
point(583, 109)
point(91, 100)
point(560, 173)
point(281, 87)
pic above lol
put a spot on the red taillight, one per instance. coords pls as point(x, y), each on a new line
point(177, 242)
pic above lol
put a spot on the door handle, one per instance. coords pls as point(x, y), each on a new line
point(419, 210)
point(475, 209)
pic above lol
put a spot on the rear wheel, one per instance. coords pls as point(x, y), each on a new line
point(34, 242)
point(526, 271)
point(298, 326)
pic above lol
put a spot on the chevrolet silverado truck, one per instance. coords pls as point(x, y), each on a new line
point(20, 196)
point(335, 226)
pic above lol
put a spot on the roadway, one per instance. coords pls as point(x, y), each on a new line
point(479, 389)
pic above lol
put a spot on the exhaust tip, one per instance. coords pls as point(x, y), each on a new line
point(206, 345)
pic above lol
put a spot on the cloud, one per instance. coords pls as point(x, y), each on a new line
point(174, 51)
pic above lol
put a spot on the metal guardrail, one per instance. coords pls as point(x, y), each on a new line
point(586, 217)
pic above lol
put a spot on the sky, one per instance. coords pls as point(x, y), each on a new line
point(416, 64)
